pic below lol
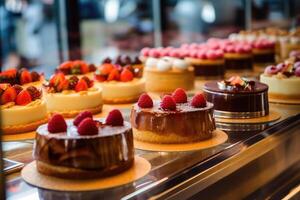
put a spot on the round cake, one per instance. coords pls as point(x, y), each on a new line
point(70, 96)
point(119, 84)
point(156, 121)
point(85, 147)
point(238, 98)
point(22, 109)
point(77, 67)
point(263, 52)
point(167, 73)
point(283, 80)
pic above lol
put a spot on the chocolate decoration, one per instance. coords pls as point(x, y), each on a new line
point(111, 149)
point(238, 103)
point(243, 63)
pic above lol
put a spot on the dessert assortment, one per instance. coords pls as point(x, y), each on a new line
point(71, 95)
point(153, 120)
point(85, 147)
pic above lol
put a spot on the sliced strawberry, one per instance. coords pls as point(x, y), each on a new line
point(179, 95)
point(66, 65)
point(126, 75)
point(168, 103)
point(9, 95)
point(57, 124)
point(23, 98)
point(114, 118)
point(106, 68)
point(25, 77)
point(100, 77)
point(145, 101)
point(18, 88)
point(87, 127)
point(198, 101)
point(81, 86)
point(56, 79)
point(84, 67)
point(114, 75)
point(63, 85)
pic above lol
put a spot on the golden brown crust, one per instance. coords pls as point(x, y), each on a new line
point(73, 113)
point(23, 128)
point(73, 173)
point(237, 55)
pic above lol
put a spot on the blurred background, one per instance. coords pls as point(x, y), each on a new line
point(41, 34)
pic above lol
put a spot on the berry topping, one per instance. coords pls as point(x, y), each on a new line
point(168, 103)
point(34, 92)
point(56, 79)
point(126, 75)
point(63, 85)
point(57, 124)
point(87, 127)
point(114, 75)
point(73, 80)
point(81, 116)
point(18, 88)
point(114, 118)
point(297, 65)
point(198, 101)
point(106, 68)
point(280, 67)
point(210, 54)
point(23, 98)
point(271, 70)
point(179, 95)
point(297, 72)
point(25, 77)
point(9, 95)
point(89, 82)
point(145, 101)
point(35, 76)
point(81, 85)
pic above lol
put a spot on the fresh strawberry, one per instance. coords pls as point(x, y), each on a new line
point(25, 77)
point(18, 88)
point(56, 79)
point(114, 118)
point(23, 98)
point(145, 101)
point(9, 95)
point(114, 75)
point(179, 95)
point(100, 77)
point(198, 101)
point(81, 116)
point(63, 85)
point(92, 67)
point(81, 86)
point(57, 124)
point(84, 67)
point(87, 127)
point(35, 76)
point(126, 75)
point(168, 103)
point(66, 65)
point(73, 80)
point(106, 68)
point(89, 82)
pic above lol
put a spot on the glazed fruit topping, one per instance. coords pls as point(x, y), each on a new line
point(81, 116)
point(236, 83)
point(126, 75)
point(34, 92)
point(22, 76)
point(114, 118)
point(75, 67)
point(283, 70)
point(145, 101)
point(198, 101)
point(87, 127)
point(168, 103)
point(179, 95)
point(23, 98)
point(9, 95)
point(57, 124)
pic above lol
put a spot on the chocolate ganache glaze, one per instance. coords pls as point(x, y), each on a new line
point(185, 121)
point(238, 98)
point(108, 152)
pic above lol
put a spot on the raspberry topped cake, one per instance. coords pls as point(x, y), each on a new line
point(84, 147)
point(21, 77)
point(119, 84)
point(263, 51)
point(70, 95)
point(238, 98)
point(283, 80)
point(154, 121)
point(76, 67)
point(22, 109)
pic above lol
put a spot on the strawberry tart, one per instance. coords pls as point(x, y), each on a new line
point(119, 84)
point(84, 147)
point(77, 67)
point(70, 95)
point(21, 77)
point(22, 109)
point(283, 80)
point(155, 121)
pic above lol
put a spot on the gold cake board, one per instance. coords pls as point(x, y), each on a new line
point(140, 168)
point(218, 138)
point(271, 117)
point(284, 101)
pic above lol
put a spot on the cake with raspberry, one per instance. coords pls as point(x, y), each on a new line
point(84, 147)
point(124, 60)
point(283, 80)
point(21, 77)
point(22, 109)
point(119, 84)
point(71, 95)
point(263, 51)
point(168, 73)
point(238, 98)
point(174, 119)
point(77, 67)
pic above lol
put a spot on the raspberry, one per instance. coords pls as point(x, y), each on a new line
point(145, 101)
point(179, 95)
point(34, 92)
point(168, 103)
point(198, 101)
point(87, 127)
point(81, 116)
point(114, 118)
point(57, 124)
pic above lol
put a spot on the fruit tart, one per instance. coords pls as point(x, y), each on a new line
point(84, 147)
point(22, 109)
point(70, 95)
point(77, 67)
point(174, 119)
point(119, 84)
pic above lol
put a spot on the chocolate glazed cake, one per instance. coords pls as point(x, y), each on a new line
point(238, 98)
point(74, 156)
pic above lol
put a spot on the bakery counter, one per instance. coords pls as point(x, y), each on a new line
point(247, 161)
